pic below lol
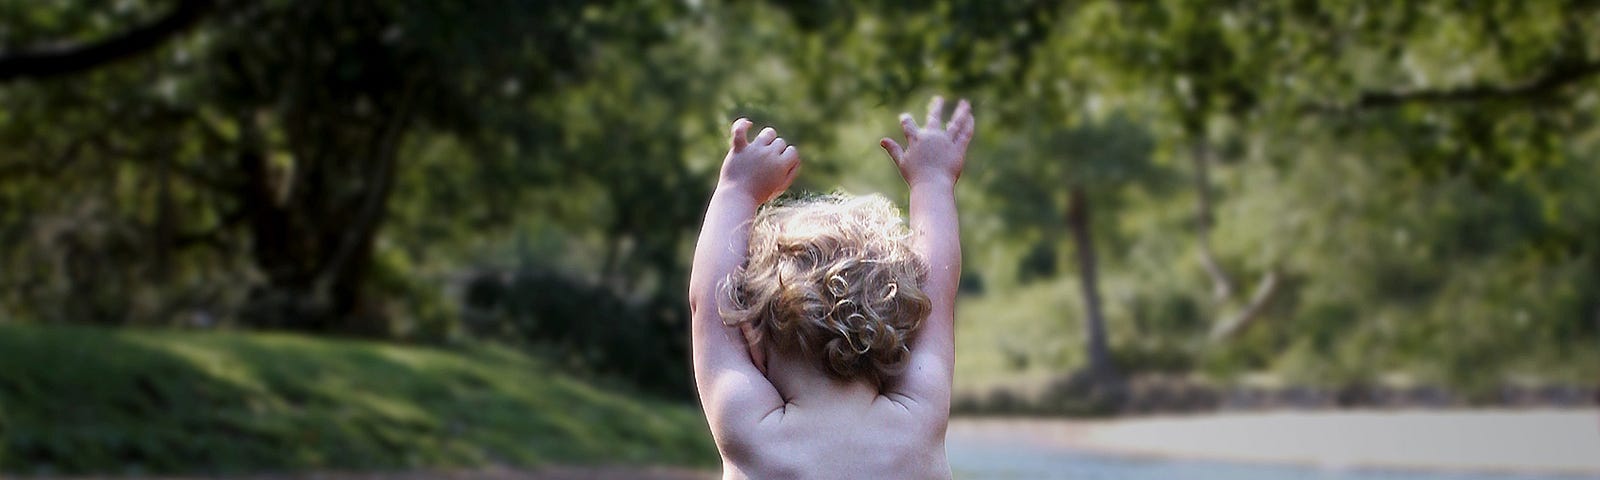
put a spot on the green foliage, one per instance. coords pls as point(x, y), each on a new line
point(1395, 164)
point(614, 337)
point(1042, 160)
point(269, 150)
point(136, 401)
point(1415, 175)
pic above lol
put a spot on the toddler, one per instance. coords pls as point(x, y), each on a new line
point(823, 328)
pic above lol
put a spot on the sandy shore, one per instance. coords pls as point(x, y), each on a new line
point(1533, 441)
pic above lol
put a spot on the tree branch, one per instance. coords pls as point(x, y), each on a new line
point(62, 60)
point(1265, 289)
point(1559, 75)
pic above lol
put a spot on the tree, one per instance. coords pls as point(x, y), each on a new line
point(1054, 178)
point(276, 134)
point(340, 166)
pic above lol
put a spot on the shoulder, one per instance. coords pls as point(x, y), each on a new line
point(737, 423)
point(765, 449)
point(924, 387)
point(914, 415)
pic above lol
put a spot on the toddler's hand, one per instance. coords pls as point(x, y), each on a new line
point(762, 168)
point(933, 153)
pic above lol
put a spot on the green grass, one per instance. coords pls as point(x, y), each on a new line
point(81, 400)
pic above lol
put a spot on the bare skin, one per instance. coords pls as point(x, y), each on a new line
point(787, 418)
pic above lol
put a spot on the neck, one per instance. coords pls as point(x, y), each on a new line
point(798, 378)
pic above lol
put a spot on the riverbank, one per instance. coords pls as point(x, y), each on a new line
point(1546, 441)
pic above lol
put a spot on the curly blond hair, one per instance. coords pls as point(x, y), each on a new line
point(834, 278)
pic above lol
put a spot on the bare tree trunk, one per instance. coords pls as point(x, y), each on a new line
point(1221, 285)
point(1100, 366)
point(1265, 289)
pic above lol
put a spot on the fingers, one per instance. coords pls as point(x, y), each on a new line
point(788, 179)
point(790, 156)
point(935, 109)
point(908, 126)
point(893, 149)
point(961, 123)
point(766, 136)
point(740, 134)
point(779, 144)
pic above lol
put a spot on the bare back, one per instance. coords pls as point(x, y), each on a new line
point(830, 429)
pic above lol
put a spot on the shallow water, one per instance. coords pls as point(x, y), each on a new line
point(973, 461)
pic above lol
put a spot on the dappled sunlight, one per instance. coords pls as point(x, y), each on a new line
point(412, 238)
point(304, 403)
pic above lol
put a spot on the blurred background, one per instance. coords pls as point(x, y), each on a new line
point(279, 235)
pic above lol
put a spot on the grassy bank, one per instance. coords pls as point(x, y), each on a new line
point(76, 400)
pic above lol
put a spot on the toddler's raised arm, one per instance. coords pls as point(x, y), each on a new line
point(930, 163)
point(732, 390)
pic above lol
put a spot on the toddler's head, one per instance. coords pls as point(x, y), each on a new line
point(833, 279)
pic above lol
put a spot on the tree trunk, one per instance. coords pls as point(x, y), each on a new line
point(165, 232)
point(1232, 326)
point(1221, 285)
point(1100, 366)
point(277, 246)
point(312, 224)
